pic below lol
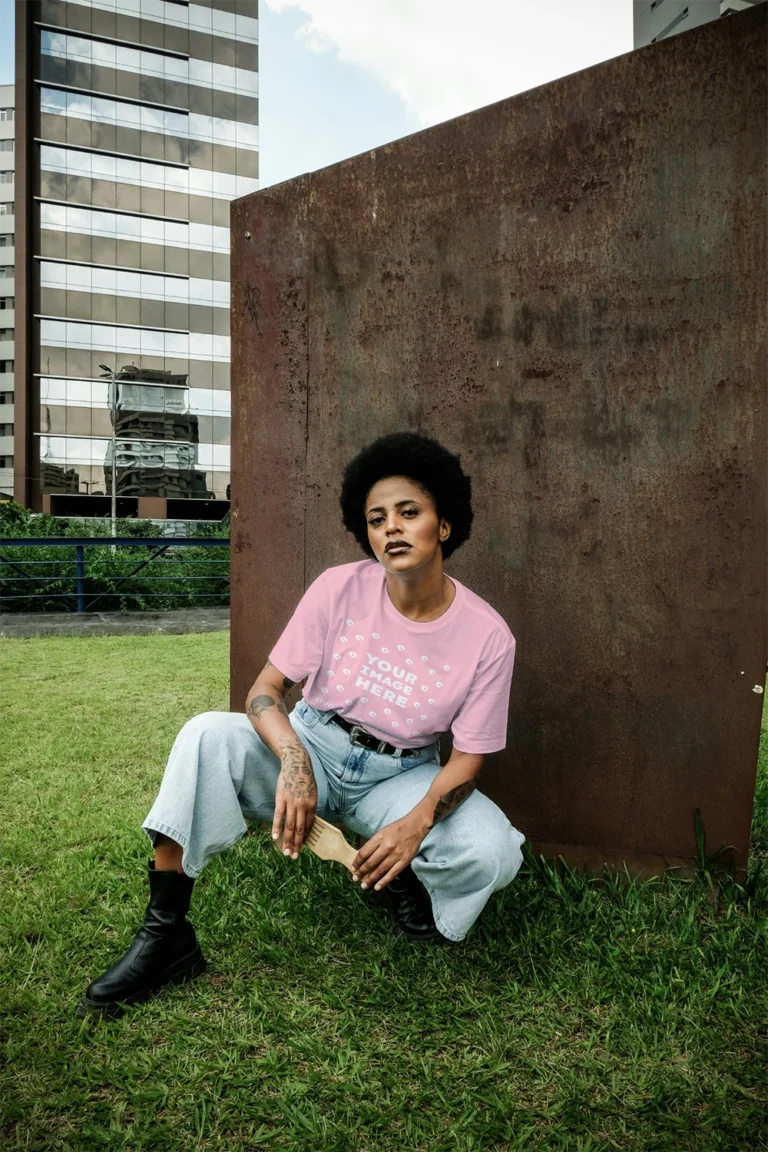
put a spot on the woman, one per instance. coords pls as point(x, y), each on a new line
point(393, 652)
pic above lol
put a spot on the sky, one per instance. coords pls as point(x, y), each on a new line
point(338, 77)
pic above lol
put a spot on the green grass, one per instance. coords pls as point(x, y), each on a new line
point(580, 1015)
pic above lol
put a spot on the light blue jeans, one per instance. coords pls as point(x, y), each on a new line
point(220, 773)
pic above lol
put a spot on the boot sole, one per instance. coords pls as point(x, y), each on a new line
point(182, 972)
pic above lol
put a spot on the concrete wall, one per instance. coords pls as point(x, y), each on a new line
point(569, 288)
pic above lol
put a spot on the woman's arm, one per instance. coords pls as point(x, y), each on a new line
point(391, 850)
point(296, 795)
point(453, 783)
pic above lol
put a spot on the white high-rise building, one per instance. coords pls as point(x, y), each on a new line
point(7, 190)
point(655, 20)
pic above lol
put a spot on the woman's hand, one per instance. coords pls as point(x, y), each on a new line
point(295, 798)
point(387, 853)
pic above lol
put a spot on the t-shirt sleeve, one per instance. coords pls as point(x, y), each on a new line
point(480, 725)
point(299, 651)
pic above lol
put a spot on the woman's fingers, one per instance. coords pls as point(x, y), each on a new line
point(277, 819)
point(385, 866)
point(371, 850)
point(298, 819)
point(388, 876)
point(374, 857)
point(379, 866)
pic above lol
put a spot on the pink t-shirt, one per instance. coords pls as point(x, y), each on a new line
point(402, 681)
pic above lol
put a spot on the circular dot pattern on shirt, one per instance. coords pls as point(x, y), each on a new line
point(339, 687)
point(394, 724)
point(430, 701)
point(343, 639)
point(346, 671)
point(401, 647)
point(337, 655)
point(447, 668)
point(425, 659)
point(439, 684)
point(323, 689)
point(385, 650)
point(432, 672)
point(409, 661)
point(424, 717)
point(409, 721)
point(350, 622)
point(375, 635)
point(353, 655)
point(359, 637)
point(371, 713)
point(387, 711)
point(363, 699)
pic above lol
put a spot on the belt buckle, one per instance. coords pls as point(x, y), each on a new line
point(355, 734)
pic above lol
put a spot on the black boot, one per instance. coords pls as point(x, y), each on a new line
point(409, 907)
point(164, 950)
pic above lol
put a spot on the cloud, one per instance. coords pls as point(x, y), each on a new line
point(445, 57)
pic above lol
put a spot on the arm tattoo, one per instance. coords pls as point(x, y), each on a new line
point(260, 704)
point(296, 774)
point(451, 800)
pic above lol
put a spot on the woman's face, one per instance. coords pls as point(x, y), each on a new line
point(399, 512)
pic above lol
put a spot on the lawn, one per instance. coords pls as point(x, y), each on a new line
point(580, 1015)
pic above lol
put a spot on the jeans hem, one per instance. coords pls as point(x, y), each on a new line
point(180, 839)
point(439, 922)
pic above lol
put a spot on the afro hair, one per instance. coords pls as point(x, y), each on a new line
point(422, 460)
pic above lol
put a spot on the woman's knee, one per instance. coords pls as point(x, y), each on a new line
point(212, 744)
point(214, 723)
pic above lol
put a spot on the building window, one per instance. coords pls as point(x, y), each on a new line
point(7, 114)
point(6, 241)
point(6, 397)
point(6, 429)
point(6, 365)
point(7, 145)
point(6, 208)
point(6, 461)
point(7, 270)
point(6, 177)
point(6, 302)
point(6, 333)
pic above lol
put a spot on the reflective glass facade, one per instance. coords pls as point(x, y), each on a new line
point(655, 20)
point(145, 127)
point(7, 286)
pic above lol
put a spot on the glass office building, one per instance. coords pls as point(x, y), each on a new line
point(655, 20)
point(7, 260)
point(140, 128)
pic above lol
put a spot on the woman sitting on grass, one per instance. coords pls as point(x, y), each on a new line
point(393, 653)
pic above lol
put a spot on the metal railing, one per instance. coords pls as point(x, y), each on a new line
point(22, 577)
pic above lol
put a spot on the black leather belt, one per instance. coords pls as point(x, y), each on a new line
point(358, 735)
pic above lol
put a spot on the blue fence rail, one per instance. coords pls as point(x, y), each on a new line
point(81, 579)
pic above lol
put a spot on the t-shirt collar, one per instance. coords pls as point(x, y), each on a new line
point(447, 617)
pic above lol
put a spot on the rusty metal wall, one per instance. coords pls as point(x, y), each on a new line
point(569, 288)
